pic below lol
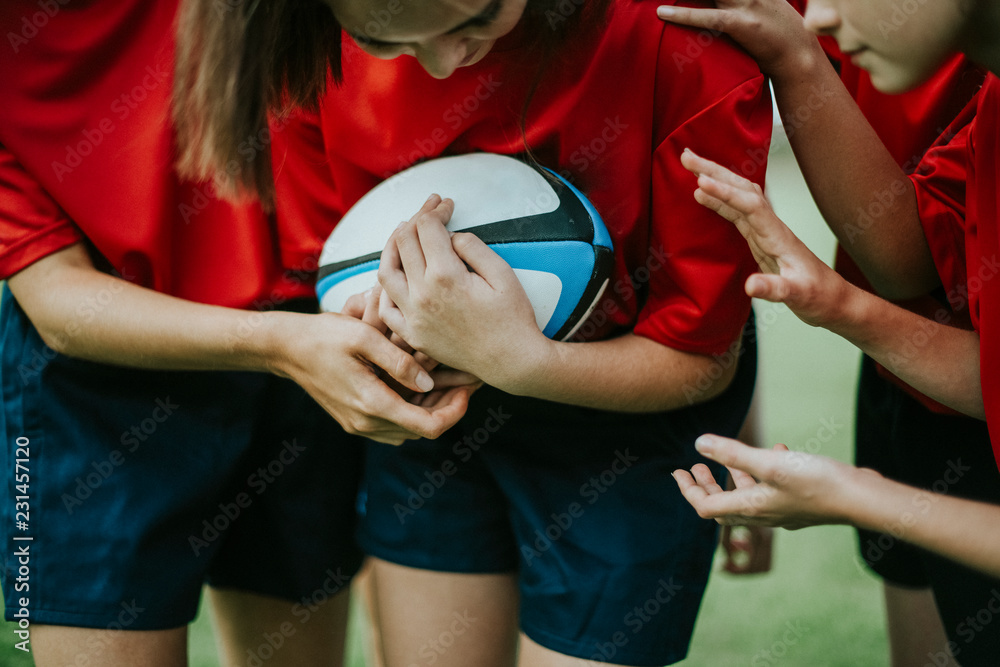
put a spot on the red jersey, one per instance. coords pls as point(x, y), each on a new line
point(968, 254)
point(87, 153)
point(612, 115)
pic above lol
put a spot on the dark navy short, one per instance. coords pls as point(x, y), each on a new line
point(903, 440)
point(612, 562)
point(144, 485)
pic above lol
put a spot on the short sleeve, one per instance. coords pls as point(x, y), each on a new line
point(697, 302)
point(940, 185)
point(32, 225)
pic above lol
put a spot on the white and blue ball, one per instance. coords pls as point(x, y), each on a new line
point(545, 228)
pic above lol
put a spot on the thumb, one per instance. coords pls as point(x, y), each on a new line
point(734, 454)
point(769, 287)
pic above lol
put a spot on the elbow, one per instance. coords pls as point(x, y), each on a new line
point(56, 339)
point(713, 376)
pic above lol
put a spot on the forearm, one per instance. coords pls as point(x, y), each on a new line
point(864, 196)
point(83, 313)
point(936, 359)
point(628, 374)
point(962, 530)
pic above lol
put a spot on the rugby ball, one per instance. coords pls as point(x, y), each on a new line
point(541, 225)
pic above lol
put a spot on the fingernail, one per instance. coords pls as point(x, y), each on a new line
point(704, 445)
point(665, 11)
point(424, 381)
point(430, 198)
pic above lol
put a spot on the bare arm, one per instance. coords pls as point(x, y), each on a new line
point(84, 313)
point(864, 196)
point(794, 490)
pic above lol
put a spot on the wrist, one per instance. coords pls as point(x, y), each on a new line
point(854, 497)
point(522, 370)
point(262, 341)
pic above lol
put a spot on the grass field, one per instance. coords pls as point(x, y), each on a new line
point(818, 607)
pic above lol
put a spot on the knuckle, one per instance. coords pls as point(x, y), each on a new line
point(463, 240)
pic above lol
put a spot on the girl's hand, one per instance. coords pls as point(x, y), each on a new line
point(792, 274)
point(340, 361)
point(366, 309)
point(773, 487)
point(771, 31)
point(455, 300)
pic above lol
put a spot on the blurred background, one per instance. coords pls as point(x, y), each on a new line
point(818, 606)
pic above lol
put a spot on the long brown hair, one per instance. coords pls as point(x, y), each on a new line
point(239, 60)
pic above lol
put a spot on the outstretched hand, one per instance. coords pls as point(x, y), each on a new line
point(791, 273)
point(774, 487)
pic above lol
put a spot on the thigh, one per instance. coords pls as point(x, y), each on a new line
point(250, 626)
point(56, 646)
point(445, 619)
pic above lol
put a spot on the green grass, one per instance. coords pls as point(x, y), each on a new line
point(818, 607)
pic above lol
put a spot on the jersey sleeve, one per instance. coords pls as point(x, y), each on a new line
point(32, 225)
point(939, 182)
point(697, 301)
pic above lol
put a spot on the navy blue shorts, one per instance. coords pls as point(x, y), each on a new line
point(612, 562)
point(144, 485)
point(905, 441)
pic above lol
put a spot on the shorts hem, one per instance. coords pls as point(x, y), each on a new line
point(348, 572)
point(576, 650)
point(94, 621)
point(407, 559)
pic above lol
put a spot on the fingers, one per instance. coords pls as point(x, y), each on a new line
point(730, 201)
point(424, 235)
point(741, 479)
point(711, 19)
point(398, 364)
point(355, 306)
point(435, 239)
point(735, 455)
point(389, 313)
point(705, 479)
point(690, 489)
point(700, 166)
point(391, 277)
point(449, 377)
point(411, 253)
point(370, 315)
point(424, 421)
point(422, 359)
point(484, 261)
